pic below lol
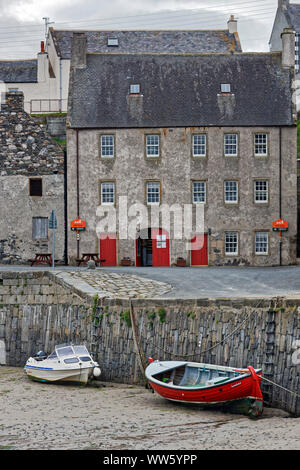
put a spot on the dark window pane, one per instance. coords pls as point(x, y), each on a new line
point(35, 187)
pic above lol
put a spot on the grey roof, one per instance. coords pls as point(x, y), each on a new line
point(150, 41)
point(18, 71)
point(293, 16)
point(180, 90)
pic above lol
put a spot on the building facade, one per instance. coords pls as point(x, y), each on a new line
point(288, 16)
point(31, 186)
point(196, 130)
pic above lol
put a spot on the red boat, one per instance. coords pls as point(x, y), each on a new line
point(208, 385)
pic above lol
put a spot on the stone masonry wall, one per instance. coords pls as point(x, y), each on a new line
point(38, 311)
point(27, 151)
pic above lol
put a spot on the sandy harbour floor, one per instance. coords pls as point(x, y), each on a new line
point(35, 416)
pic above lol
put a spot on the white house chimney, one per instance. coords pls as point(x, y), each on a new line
point(79, 50)
point(232, 24)
point(288, 47)
point(43, 66)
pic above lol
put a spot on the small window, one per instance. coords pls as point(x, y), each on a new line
point(107, 193)
point(153, 192)
point(261, 191)
point(35, 187)
point(113, 42)
point(225, 88)
point(71, 360)
point(107, 146)
point(231, 192)
point(231, 243)
point(135, 89)
point(40, 228)
point(13, 90)
point(85, 358)
point(199, 145)
point(261, 243)
point(152, 145)
point(231, 145)
point(199, 192)
point(261, 145)
point(161, 241)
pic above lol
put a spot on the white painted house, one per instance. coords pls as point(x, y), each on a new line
point(35, 79)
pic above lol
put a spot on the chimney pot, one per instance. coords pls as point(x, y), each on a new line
point(42, 46)
point(232, 24)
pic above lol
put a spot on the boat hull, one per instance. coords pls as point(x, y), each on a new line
point(40, 374)
point(241, 394)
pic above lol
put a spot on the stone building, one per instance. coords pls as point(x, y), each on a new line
point(31, 185)
point(288, 16)
point(211, 131)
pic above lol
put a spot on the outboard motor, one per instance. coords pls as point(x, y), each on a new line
point(40, 356)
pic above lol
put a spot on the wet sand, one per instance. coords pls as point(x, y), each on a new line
point(36, 416)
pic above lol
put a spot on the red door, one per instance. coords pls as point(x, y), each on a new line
point(108, 249)
point(160, 248)
point(199, 254)
point(138, 251)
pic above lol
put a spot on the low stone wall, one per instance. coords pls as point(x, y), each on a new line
point(37, 311)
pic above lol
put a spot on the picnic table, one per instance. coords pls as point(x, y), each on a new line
point(90, 256)
point(42, 258)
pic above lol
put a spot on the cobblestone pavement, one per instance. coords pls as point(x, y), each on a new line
point(111, 285)
point(36, 416)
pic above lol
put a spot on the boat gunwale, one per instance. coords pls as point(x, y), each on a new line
point(194, 387)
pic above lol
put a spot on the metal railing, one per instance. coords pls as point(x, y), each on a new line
point(48, 106)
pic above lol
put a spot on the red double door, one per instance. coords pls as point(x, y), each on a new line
point(199, 253)
point(155, 251)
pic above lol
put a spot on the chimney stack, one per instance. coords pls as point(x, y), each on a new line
point(283, 4)
point(232, 25)
point(79, 50)
point(288, 47)
point(14, 101)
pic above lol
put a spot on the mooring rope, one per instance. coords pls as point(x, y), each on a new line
point(212, 347)
point(280, 386)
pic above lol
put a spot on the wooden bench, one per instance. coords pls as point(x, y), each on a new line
point(41, 258)
point(90, 256)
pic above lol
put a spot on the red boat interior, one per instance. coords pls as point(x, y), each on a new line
point(188, 376)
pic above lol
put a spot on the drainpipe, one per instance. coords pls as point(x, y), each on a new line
point(60, 85)
point(66, 207)
point(77, 185)
point(280, 193)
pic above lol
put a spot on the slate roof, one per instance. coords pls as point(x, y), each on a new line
point(150, 41)
point(18, 71)
point(293, 16)
point(180, 90)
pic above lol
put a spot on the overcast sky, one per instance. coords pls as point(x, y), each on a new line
point(22, 25)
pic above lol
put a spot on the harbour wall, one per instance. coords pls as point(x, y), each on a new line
point(38, 311)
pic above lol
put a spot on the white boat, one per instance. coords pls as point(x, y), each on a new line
point(68, 363)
